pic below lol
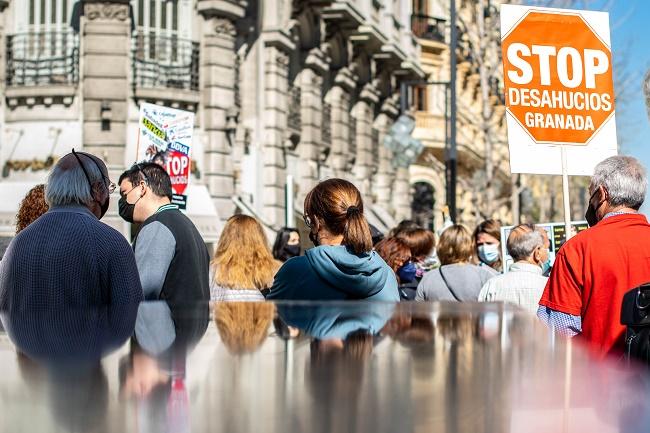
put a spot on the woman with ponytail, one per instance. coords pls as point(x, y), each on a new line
point(343, 265)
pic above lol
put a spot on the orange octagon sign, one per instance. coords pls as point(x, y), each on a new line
point(558, 77)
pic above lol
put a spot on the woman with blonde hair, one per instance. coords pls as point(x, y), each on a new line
point(243, 265)
point(458, 279)
point(343, 264)
point(243, 327)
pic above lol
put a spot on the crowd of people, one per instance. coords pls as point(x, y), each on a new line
point(63, 256)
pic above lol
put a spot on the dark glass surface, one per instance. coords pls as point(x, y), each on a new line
point(308, 367)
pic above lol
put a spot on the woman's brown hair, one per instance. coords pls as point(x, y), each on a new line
point(243, 259)
point(394, 251)
point(32, 207)
point(337, 204)
point(491, 227)
point(420, 241)
point(456, 245)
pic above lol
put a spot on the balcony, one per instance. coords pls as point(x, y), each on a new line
point(165, 62)
point(42, 59)
point(428, 27)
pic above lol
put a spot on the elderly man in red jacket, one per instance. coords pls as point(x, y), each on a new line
point(594, 269)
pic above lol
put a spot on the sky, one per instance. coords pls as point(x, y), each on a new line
point(629, 22)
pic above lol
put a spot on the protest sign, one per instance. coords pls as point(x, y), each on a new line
point(556, 235)
point(557, 73)
point(165, 137)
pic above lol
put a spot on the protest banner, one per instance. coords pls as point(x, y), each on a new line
point(559, 92)
point(554, 231)
point(165, 137)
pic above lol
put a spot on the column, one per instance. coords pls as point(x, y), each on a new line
point(104, 56)
point(402, 194)
point(309, 149)
point(383, 180)
point(364, 113)
point(218, 82)
point(276, 65)
point(339, 100)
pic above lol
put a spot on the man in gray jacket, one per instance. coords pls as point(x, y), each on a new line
point(172, 258)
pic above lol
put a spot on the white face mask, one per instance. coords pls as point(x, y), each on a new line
point(488, 253)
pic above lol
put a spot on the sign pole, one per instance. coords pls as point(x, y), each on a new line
point(565, 195)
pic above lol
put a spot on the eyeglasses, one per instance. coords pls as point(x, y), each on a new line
point(109, 185)
point(307, 220)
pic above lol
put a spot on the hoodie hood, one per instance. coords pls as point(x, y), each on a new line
point(359, 276)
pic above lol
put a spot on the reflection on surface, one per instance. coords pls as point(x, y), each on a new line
point(243, 326)
point(348, 367)
point(59, 354)
point(153, 375)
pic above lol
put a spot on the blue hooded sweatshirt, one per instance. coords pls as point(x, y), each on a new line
point(333, 273)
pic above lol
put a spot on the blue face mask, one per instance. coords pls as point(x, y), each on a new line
point(488, 253)
point(406, 273)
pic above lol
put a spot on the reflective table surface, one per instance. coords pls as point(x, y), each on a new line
point(308, 367)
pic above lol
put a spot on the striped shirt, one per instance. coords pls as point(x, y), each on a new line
point(523, 286)
point(222, 294)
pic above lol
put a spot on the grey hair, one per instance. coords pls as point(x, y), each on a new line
point(523, 240)
point(624, 178)
point(67, 184)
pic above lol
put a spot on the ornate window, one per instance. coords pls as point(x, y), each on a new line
point(42, 49)
point(164, 55)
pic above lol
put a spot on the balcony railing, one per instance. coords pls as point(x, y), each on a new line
point(165, 62)
point(427, 27)
point(42, 58)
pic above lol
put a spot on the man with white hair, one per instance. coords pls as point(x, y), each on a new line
point(594, 269)
point(67, 258)
point(524, 283)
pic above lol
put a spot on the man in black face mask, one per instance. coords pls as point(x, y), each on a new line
point(595, 268)
point(67, 257)
point(172, 258)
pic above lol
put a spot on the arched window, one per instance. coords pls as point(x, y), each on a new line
point(422, 204)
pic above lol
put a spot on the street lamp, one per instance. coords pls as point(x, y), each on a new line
point(405, 148)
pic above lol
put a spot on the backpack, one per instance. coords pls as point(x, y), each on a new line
point(635, 315)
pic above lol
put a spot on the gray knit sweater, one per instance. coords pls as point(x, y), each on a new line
point(68, 258)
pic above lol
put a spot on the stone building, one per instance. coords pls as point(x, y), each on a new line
point(281, 89)
point(484, 183)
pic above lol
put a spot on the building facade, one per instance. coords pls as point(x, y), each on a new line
point(283, 91)
point(484, 184)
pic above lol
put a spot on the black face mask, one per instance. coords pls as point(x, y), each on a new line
point(290, 251)
point(104, 207)
point(125, 209)
point(590, 215)
point(314, 239)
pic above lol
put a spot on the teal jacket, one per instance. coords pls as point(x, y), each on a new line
point(334, 273)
